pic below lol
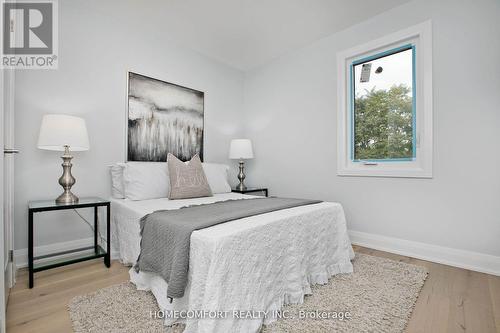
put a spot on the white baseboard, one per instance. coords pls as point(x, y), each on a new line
point(21, 255)
point(480, 262)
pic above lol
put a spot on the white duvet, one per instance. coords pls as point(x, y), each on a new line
point(257, 263)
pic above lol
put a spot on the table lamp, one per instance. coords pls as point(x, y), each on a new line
point(60, 132)
point(241, 149)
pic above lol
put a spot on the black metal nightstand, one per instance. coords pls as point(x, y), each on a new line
point(251, 190)
point(77, 255)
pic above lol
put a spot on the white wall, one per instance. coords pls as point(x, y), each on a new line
point(98, 42)
point(290, 113)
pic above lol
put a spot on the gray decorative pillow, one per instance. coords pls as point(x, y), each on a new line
point(187, 180)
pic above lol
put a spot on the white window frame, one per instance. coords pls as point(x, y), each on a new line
point(421, 166)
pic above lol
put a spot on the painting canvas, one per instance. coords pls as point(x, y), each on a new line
point(163, 118)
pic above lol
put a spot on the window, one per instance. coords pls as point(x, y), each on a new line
point(385, 106)
point(382, 106)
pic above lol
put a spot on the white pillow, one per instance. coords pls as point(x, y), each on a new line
point(146, 180)
point(117, 190)
point(217, 176)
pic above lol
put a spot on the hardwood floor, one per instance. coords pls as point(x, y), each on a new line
point(452, 299)
point(43, 309)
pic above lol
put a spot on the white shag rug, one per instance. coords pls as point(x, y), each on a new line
point(378, 296)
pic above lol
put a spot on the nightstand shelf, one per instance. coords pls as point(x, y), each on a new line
point(262, 190)
point(70, 257)
point(63, 258)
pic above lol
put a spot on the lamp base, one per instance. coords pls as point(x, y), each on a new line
point(241, 187)
point(67, 180)
point(67, 198)
point(241, 177)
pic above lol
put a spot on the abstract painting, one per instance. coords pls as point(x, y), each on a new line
point(163, 118)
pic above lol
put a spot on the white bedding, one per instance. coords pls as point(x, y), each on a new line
point(256, 263)
point(125, 215)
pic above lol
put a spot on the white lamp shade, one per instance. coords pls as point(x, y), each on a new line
point(59, 130)
point(240, 149)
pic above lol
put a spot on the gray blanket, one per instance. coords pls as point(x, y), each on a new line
point(166, 234)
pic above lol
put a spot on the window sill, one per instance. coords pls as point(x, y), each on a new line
point(385, 172)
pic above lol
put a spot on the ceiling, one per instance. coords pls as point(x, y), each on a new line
point(248, 33)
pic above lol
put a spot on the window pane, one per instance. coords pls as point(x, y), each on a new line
point(383, 107)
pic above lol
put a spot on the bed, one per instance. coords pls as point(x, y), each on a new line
point(257, 263)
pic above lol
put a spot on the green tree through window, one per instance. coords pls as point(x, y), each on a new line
point(383, 124)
